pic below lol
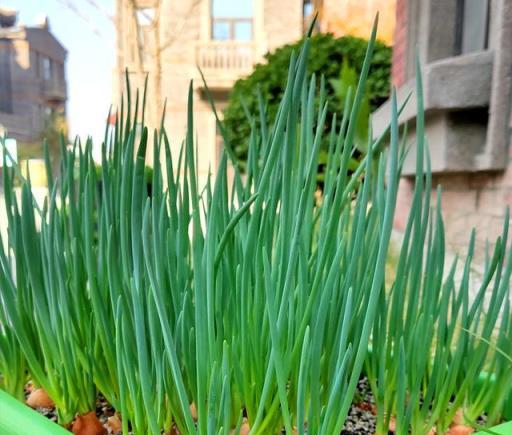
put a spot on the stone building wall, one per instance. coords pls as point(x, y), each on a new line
point(30, 95)
point(184, 35)
point(471, 199)
point(468, 201)
point(355, 17)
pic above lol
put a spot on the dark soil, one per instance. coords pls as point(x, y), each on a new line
point(103, 411)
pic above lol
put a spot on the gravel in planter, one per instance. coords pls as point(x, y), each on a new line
point(361, 418)
point(360, 421)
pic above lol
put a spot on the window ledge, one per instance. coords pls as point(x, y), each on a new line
point(457, 96)
point(444, 88)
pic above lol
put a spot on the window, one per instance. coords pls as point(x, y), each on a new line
point(308, 9)
point(145, 20)
point(145, 16)
point(232, 20)
point(308, 13)
point(61, 73)
point(6, 96)
point(47, 68)
point(37, 63)
point(232, 29)
point(6, 100)
point(473, 26)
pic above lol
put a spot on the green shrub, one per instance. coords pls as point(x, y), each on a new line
point(327, 56)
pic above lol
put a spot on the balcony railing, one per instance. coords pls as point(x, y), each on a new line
point(54, 90)
point(223, 62)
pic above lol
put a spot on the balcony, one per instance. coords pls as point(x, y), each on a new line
point(223, 62)
point(54, 90)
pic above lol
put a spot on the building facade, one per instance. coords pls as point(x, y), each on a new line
point(171, 40)
point(465, 49)
point(355, 17)
point(32, 77)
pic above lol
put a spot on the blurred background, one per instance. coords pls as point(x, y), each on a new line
point(63, 64)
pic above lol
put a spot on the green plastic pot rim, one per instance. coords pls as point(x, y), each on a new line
point(502, 429)
point(17, 418)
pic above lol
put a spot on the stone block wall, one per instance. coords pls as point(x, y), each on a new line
point(282, 23)
point(469, 200)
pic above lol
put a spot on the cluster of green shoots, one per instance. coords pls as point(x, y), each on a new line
point(436, 340)
point(248, 301)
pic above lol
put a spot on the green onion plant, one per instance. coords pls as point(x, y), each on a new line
point(44, 293)
point(246, 301)
point(13, 375)
point(423, 366)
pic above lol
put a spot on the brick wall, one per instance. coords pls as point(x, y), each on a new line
point(472, 200)
point(398, 71)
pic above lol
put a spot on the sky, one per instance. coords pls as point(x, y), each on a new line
point(85, 30)
point(89, 37)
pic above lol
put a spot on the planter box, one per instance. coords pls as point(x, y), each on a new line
point(502, 429)
point(17, 418)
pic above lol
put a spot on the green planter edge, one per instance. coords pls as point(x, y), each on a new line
point(507, 407)
point(16, 418)
point(502, 429)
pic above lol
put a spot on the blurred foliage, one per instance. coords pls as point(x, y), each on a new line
point(348, 80)
point(55, 128)
point(327, 56)
point(54, 125)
